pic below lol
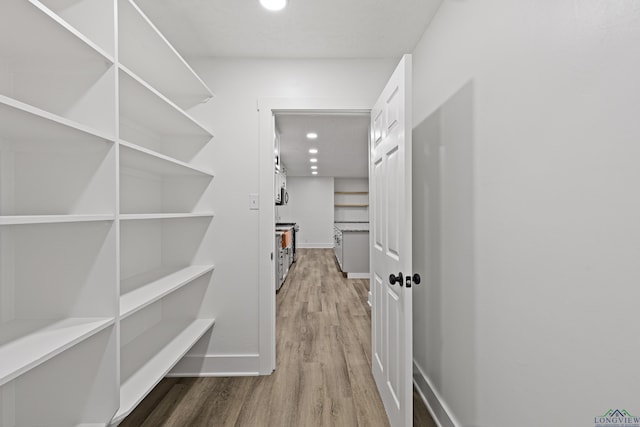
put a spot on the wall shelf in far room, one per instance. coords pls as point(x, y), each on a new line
point(351, 205)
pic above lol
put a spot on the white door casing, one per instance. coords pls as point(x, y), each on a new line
point(266, 108)
point(390, 190)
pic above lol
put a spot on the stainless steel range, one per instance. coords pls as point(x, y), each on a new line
point(285, 250)
point(283, 226)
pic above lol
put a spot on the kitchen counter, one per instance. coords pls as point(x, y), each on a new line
point(352, 226)
point(284, 228)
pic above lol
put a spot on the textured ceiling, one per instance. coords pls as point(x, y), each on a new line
point(305, 29)
point(342, 143)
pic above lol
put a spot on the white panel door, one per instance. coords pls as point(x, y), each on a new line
point(390, 179)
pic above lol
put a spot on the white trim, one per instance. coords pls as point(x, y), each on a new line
point(358, 275)
point(438, 408)
point(369, 294)
point(314, 245)
point(267, 296)
point(222, 365)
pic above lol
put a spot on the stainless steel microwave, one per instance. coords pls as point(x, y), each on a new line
point(284, 197)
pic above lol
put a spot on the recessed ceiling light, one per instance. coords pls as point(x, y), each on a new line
point(312, 135)
point(314, 167)
point(313, 150)
point(314, 173)
point(313, 160)
point(273, 4)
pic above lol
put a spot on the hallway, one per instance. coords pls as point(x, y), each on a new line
point(323, 376)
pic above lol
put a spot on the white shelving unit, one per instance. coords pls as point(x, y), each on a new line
point(177, 81)
point(26, 344)
point(136, 157)
point(128, 217)
point(151, 286)
point(51, 219)
point(49, 65)
point(170, 343)
point(165, 208)
point(106, 212)
point(150, 120)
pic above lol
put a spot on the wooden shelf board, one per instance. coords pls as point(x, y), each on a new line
point(20, 121)
point(151, 286)
point(128, 217)
point(143, 104)
point(47, 37)
point(352, 192)
point(144, 50)
point(140, 383)
point(25, 344)
point(351, 205)
point(52, 219)
point(135, 157)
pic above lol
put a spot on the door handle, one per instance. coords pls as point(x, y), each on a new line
point(415, 279)
point(396, 279)
point(393, 279)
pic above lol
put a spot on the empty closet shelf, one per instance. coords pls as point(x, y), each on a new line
point(151, 286)
point(25, 344)
point(139, 383)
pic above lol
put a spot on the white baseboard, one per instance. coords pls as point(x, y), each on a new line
point(314, 245)
point(439, 410)
point(358, 275)
point(236, 365)
point(369, 299)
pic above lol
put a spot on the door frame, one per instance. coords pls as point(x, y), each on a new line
point(267, 107)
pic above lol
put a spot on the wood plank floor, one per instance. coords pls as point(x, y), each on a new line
point(323, 375)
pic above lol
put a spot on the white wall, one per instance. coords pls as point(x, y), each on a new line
point(547, 209)
point(233, 116)
point(311, 207)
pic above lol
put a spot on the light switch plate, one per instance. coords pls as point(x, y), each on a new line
point(254, 201)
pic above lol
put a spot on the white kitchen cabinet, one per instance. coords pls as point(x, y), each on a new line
point(351, 247)
point(355, 253)
point(105, 217)
point(337, 247)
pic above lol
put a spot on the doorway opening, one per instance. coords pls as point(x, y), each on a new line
point(322, 188)
point(269, 109)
